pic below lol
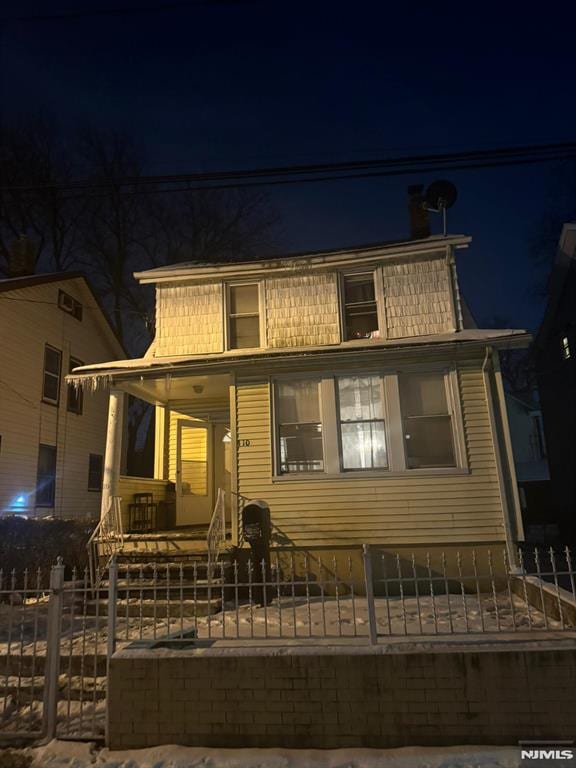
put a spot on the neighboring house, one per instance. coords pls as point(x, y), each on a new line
point(52, 438)
point(532, 474)
point(555, 353)
point(341, 387)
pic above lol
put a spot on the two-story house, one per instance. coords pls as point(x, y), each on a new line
point(52, 438)
point(342, 387)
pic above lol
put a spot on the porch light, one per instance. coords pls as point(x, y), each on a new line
point(227, 437)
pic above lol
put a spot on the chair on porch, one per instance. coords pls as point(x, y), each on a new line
point(142, 513)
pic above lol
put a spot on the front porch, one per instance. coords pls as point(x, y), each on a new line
point(173, 514)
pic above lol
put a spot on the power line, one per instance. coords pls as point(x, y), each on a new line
point(317, 172)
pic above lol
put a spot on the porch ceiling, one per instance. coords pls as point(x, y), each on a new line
point(164, 389)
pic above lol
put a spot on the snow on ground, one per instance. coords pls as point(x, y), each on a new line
point(59, 754)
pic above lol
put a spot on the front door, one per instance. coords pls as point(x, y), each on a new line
point(194, 473)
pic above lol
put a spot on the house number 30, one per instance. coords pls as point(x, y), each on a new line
point(243, 443)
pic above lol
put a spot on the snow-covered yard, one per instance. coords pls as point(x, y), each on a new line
point(59, 754)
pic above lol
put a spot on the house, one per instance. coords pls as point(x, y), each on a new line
point(52, 439)
point(342, 387)
point(530, 461)
point(555, 354)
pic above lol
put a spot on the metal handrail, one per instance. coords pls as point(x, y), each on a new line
point(107, 535)
point(217, 530)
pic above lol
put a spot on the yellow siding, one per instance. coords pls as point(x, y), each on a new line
point(417, 297)
point(29, 319)
point(128, 486)
point(302, 310)
point(395, 510)
point(189, 319)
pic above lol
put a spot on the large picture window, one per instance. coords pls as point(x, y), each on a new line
point(299, 426)
point(51, 380)
point(360, 307)
point(46, 476)
point(243, 316)
point(361, 411)
point(427, 423)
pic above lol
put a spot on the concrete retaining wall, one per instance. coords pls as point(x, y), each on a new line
point(350, 695)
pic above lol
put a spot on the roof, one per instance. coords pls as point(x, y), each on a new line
point(197, 268)
point(139, 366)
point(565, 258)
point(30, 281)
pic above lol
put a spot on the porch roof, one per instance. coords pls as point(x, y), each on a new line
point(145, 367)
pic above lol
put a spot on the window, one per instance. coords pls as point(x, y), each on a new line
point(74, 397)
point(362, 422)
point(70, 305)
point(566, 352)
point(46, 477)
point(52, 366)
point(427, 423)
point(95, 464)
point(360, 307)
point(243, 316)
point(299, 426)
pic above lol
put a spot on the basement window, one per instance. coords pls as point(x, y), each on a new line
point(360, 309)
point(244, 316)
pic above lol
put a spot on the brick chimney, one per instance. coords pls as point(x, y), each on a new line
point(419, 223)
point(22, 258)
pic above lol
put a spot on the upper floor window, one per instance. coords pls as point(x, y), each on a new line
point(299, 426)
point(74, 397)
point(360, 308)
point(52, 369)
point(427, 422)
point(361, 411)
point(70, 305)
point(244, 316)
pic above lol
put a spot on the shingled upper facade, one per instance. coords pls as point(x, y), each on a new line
point(346, 388)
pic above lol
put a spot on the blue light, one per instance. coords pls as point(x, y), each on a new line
point(21, 500)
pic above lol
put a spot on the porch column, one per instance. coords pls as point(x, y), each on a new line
point(113, 456)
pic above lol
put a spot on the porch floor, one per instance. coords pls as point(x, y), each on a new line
point(186, 541)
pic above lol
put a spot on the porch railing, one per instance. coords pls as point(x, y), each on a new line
point(106, 540)
point(217, 531)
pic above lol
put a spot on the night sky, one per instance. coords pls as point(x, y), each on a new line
point(257, 84)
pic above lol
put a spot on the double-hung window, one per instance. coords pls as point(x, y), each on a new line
point(95, 471)
point(51, 380)
point(361, 412)
point(299, 426)
point(427, 421)
point(46, 476)
point(360, 309)
point(383, 422)
point(74, 397)
point(244, 316)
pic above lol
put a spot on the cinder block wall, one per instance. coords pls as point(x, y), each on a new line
point(337, 697)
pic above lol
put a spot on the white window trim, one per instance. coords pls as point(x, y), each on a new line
point(45, 398)
point(393, 425)
point(261, 314)
point(378, 297)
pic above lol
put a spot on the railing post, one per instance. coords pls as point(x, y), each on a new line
point(367, 560)
point(52, 670)
point(112, 599)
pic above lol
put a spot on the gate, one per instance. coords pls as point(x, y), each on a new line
point(53, 655)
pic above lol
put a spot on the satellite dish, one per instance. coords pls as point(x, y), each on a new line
point(441, 195)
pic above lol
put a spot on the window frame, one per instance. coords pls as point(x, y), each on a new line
point(74, 362)
point(51, 504)
point(45, 398)
point(376, 273)
point(393, 425)
point(227, 303)
point(90, 488)
point(384, 419)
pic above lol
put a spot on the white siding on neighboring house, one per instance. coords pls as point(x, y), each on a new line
point(189, 319)
point(30, 319)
